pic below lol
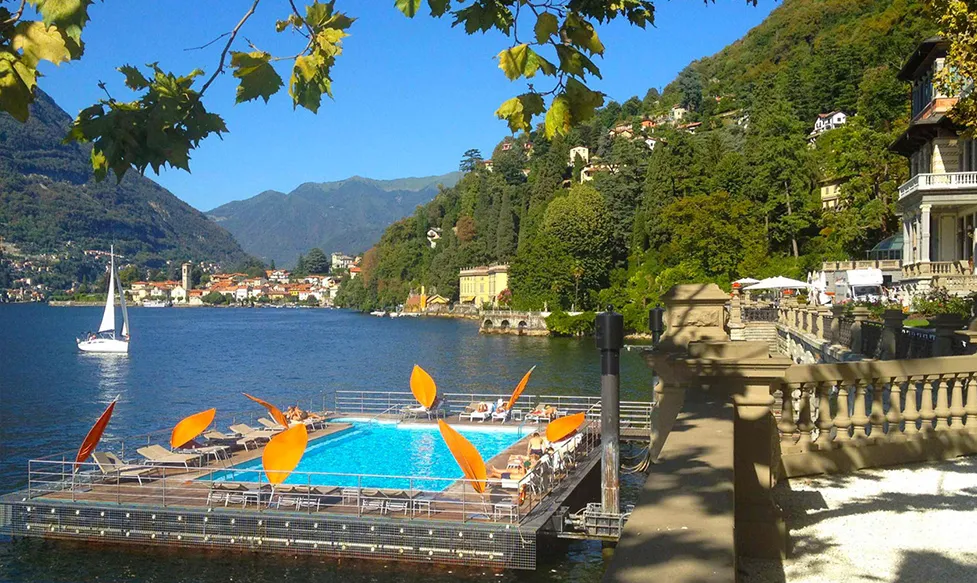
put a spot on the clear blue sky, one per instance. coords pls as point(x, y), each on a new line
point(410, 95)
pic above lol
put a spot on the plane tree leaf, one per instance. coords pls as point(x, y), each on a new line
point(258, 77)
point(546, 26)
point(38, 42)
point(519, 111)
point(522, 61)
point(408, 7)
point(558, 118)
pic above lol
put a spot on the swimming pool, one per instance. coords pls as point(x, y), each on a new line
point(374, 451)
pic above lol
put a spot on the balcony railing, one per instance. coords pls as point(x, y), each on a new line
point(947, 181)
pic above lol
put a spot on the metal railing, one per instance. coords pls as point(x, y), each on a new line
point(764, 314)
point(871, 339)
point(214, 486)
point(633, 414)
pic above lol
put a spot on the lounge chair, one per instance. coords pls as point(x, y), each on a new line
point(157, 454)
point(269, 424)
point(112, 466)
point(486, 413)
point(397, 501)
point(231, 440)
point(501, 414)
point(438, 409)
point(372, 499)
point(547, 414)
point(193, 446)
point(246, 431)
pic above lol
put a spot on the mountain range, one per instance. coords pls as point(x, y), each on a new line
point(343, 216)
point(48, 197)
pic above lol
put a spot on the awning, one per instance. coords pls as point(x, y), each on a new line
point(779, 282)
point(467, 299)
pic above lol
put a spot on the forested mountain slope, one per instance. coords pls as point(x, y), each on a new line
point(48, 197)
point(739, 197)
point(347, 215)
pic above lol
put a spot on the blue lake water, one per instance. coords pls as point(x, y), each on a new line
point(185, 360)
point(381, 455)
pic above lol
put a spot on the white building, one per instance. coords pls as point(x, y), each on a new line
point(827, 122)
point(341, 261)
point(433, 235)
point(582, 152)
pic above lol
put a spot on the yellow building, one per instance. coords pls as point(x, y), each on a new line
point(482, 285)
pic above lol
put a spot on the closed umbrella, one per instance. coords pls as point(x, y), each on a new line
point(747, 281)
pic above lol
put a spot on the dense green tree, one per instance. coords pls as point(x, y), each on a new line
point(505, 246)
point(470, 160)
point(690, 89)
point(317, 262)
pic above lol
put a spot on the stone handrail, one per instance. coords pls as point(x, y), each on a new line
point(944, 268)
point(920, 409)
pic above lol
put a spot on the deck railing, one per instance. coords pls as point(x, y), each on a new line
point(942, 181)
point(214, 486)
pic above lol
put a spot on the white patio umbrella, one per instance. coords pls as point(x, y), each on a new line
point(779, 282)
point(747, 281)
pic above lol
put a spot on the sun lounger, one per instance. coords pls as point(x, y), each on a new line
point(484, 414)
point(397, 501)
point(157, 454)
point(501, 415)
point(218, 452)
point(230, 440)
point(541, 416)
point(249, 432)
point(269, 424)
point(371, 499)
point(112, 466)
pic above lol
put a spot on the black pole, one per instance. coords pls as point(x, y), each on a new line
point(610, 339)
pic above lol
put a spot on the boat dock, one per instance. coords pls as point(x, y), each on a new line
point(418, 521)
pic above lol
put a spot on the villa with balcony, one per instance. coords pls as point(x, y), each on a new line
point(939, 201)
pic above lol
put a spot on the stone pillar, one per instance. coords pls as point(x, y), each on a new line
point(860, 314)
point(693, 312)
point(924, 243)
point(892, 322)
point(946, 327)
point(907, 244)
point(837, 312)
point(747, 372)
point(824, 322)
point(737, 328)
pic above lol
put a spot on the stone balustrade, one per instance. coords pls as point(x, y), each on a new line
point(907, 410)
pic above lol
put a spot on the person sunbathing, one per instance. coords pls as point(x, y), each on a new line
point(517, 473)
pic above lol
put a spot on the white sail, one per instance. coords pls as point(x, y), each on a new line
point(125, 312)
point(108, 317)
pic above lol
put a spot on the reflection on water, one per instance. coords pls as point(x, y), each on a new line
point(186, 360)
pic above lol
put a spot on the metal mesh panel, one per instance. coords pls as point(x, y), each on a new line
point(493, 545)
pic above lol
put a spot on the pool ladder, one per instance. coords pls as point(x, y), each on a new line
point(375, 418)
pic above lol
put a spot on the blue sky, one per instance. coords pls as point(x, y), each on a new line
point(410, 95)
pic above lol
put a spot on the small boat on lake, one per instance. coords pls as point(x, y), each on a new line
point(106, 340)
point(156, 304)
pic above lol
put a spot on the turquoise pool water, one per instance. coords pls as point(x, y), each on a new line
point(381, 455)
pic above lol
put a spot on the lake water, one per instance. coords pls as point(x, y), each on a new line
point(186, 360)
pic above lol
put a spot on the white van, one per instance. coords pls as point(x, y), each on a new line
point(860, 285)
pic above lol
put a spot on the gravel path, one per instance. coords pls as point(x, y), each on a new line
point(902, 525)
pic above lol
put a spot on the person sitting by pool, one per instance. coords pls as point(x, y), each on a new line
point(535, 445)
point(295, 413)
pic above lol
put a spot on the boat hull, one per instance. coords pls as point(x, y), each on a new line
point(109, 345)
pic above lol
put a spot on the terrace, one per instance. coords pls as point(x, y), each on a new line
point(224, 501)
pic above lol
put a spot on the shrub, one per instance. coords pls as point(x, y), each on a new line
point(939, 301)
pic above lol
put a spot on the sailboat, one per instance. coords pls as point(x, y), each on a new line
point(105, 340)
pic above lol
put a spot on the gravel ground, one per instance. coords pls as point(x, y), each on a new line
point(902, 525)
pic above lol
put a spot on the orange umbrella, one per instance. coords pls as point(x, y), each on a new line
point(561, 428)
point(283, 453)
point(519, 389)
point(276, 413)
point(471, 462)
point(191, 427)
point(423, 387)
point(95, 434)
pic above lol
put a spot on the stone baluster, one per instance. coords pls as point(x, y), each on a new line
point(926, 412)
point(824, 325)
point(825, 423)
point(842, 422)
point(786, 426)
point(942, 407)
point(956, 404)
point(877, 415)
point(892, 323)
point(735, 306)
point(796, 320)
point(860, 314)
point(804, 422)
point(971, 407)
point(859, 419)
point(910, 413)
point(894, 415)
point(837, 312)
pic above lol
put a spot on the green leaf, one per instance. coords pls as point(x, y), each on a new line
point(574, 62)
point(258, 77)
point(519, 111)
point(558, 119)
point(70, 16)
point(438, 7)
point(39, 42)
point(17, 82)
point(582, 34)
point(408, 7)
point(546, 26)
point(522, 61)
point(293, 20)
point(308, 83)
point(134, 79)
point(583, 101)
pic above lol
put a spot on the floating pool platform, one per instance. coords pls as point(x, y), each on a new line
point(185, 506)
